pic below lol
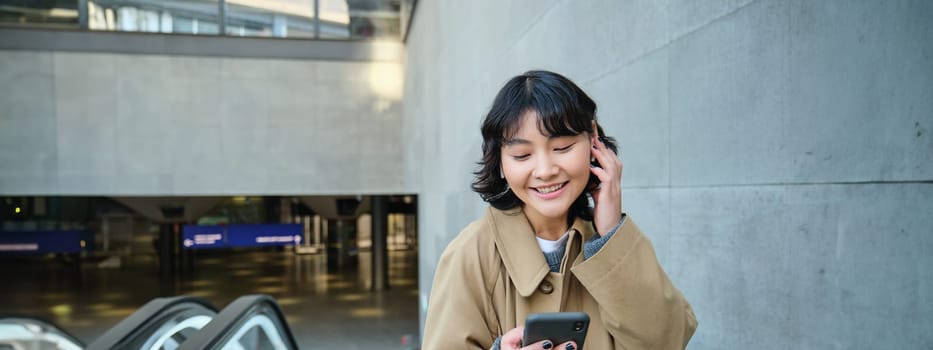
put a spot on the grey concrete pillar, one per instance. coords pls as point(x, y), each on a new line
point(380, 252)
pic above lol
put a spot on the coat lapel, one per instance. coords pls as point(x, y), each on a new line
point(519, 250)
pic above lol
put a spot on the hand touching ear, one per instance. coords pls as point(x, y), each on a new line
point(607, 197)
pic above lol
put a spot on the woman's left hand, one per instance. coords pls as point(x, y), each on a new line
point(607, 197)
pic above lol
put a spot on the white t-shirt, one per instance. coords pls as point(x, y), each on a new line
point(548, 246)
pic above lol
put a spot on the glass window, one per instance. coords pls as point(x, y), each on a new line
point(271, 18)
point(325, 19)
point(375, 19)
point(288, 18)
point(50, 12)
point(167, 16)
point(335, 19)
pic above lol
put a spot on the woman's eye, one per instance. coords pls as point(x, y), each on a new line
point(564, 149)
point(521, 157)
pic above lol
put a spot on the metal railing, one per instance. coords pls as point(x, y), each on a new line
point(249, 322)
point(182, 322)
point(162, 323)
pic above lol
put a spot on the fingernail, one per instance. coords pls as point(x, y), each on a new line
point(570, 347)
point(547, 344)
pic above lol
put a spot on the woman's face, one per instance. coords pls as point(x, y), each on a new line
point(546, 173)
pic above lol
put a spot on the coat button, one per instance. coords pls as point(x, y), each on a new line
point(546, 287)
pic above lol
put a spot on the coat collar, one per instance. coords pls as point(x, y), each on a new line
point(520, 252)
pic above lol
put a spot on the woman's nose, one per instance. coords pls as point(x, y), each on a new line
point(545, 168)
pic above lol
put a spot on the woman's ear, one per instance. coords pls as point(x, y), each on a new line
point(595, 135)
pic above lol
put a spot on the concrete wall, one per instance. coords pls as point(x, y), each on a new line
point(778, 153)
point(75, 123)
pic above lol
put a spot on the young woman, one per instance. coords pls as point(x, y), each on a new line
point(541, 247)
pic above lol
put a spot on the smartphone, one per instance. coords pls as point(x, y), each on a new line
point(558, 327)
point(594, 182)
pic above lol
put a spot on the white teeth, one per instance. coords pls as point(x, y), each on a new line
point(549, 189)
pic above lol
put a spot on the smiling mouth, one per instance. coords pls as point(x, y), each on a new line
point(549, 189)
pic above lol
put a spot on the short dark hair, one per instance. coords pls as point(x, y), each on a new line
point(563, 109)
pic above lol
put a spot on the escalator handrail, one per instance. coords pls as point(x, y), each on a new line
point(47, 323)
point(224, 324)
point(152, 311)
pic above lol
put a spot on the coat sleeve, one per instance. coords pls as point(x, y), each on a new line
point(459, 309)
point(638, 304)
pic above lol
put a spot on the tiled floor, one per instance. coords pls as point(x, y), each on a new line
point(325, 309)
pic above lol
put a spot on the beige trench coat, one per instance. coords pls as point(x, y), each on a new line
point(493, 275)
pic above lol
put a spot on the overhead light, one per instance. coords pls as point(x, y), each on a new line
point(17, 210)
point(66, 13)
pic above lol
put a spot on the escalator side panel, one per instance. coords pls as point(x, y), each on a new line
point(246, 319)
point(156, 320)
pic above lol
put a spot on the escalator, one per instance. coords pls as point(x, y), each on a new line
point(252, 322)
point(27, 333)
point(161, 324)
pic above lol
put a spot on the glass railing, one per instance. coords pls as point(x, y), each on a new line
point(314, 19)
point(250, 322)
point(161, 324)
point(30, 333)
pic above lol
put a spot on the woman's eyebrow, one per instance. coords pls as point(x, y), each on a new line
point(516, 141)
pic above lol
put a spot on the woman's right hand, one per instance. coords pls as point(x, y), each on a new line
point(512, 340)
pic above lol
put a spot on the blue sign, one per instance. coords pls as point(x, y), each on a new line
point(194, 236)
point(224, 236)
point(264, 235)
point(39, 242)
